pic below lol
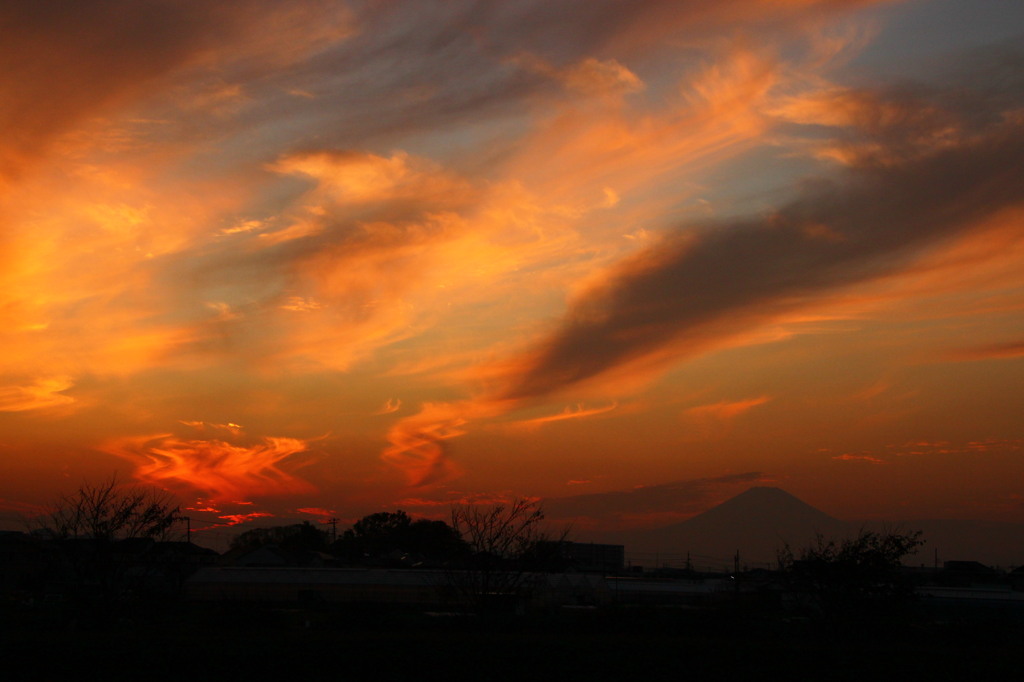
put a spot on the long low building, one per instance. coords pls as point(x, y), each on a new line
point(416, 588)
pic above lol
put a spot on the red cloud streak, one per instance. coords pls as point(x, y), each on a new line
point(220, 470)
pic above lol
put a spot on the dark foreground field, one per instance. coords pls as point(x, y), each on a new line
point(218, 643)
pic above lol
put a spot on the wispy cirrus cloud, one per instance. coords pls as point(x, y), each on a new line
point(390, 406)
point(852, 457)
point(372, 252)
point(40, 394)
point(418, 442)
point(923, 448)
point(694, 290)
point(726, 410)
point(216, 469)
point(578, 412)
point(994, 351)
point(108, 54)
point(321, 514)
point(228, 520)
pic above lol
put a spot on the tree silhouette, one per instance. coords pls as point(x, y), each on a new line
point(853, 580)
point(298, 537)
point(101, 534)
point(393, 537)
point(502, 540)
point(107, 512)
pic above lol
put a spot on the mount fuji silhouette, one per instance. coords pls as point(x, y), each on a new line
point(759, 522)
point(756, 523)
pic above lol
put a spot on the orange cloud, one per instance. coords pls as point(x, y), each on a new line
point(725, 411)
point(417, 444)
point(230, 427)
point(346, 178)
point(373, 253)
point(43, 393)
point(592, 77)
point(389, 407)
point(995, 351)
point(869, 111)
point(925, 447)
point(63, 69)
point(237, 519)
point(711, 286)
point(580, 153)
point(848, 457)
point(579, 412)
point(320, 513)
point(217, 469)
point(689, 290)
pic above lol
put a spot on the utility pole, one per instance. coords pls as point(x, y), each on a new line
point(334, 528)
point(188, 527)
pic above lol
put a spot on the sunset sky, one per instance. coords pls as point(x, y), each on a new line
point(292, 260)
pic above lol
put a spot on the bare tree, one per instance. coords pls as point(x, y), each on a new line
point(502, 539)
point(107, 512)
point(101, 535)
point(502, 532)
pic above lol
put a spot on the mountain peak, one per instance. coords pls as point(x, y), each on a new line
point(757, 522)
point(765, 492)
point(765, 502)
